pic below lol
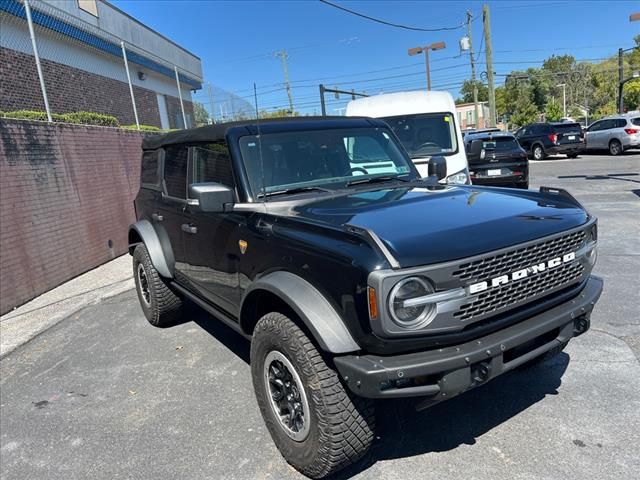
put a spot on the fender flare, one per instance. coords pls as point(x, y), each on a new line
point(315, 311)
point(162, 259)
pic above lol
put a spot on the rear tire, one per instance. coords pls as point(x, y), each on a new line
point(331, 427)
point(615, 147)
point(572, 155)
point(161, 306)
point(537, 152)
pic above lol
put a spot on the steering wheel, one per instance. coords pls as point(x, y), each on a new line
point(355, 169)
point(428, 144)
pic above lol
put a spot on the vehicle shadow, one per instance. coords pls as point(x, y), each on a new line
point(231, 339)
point(402, 432)
point(608, 176)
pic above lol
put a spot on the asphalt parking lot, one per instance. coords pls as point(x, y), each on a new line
point(103, 395)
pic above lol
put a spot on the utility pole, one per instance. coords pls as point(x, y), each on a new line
point(473, 70)
point(284, 55)
point(487, 40)
point(564, 98)
point(620, 80)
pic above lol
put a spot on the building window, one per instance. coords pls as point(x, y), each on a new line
point(89, 6)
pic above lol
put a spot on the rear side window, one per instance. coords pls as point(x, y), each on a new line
point(212, 163)
point(621, 123)
point(636, 121)
point(149, 171)
point(175, 171)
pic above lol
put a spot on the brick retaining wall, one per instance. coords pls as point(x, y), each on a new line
point(66, 200)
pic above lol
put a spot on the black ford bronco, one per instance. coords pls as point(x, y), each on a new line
point(354, 278)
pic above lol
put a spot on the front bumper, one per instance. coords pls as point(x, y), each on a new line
point(440, 374)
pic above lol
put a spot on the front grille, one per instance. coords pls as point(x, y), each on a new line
point(507, 262)
point(503, 296)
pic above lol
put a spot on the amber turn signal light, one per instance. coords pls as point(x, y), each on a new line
point(373, 303)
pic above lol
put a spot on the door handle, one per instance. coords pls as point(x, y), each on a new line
point(188, 228)
point(157, 217)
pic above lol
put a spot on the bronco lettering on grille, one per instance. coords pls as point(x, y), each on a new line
point(520, 274)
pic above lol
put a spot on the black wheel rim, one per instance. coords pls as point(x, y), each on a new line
point(286, 396)
point(143, 284)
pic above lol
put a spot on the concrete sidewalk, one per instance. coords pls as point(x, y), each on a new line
point(29, 320)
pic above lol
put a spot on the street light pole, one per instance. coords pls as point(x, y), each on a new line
point(425, 49)
point(564, 98)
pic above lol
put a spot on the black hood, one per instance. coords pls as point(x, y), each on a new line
point(424, 225)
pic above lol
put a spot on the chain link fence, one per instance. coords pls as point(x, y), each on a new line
point(56, 60)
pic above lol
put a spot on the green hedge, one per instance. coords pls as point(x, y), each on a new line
point(143, 128)
point(80, 118)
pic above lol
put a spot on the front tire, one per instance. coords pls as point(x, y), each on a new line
point(318, 426)
point(161, 306)
point(538, 152)
point(615, 147)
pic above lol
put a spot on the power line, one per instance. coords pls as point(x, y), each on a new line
point(384, 22)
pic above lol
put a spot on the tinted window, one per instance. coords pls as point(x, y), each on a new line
point(621, 123)
point(501, 144)
point(535, 130)
point(149, 167)
point(607, 124)
point(211, 163)
point(175, 171)
point(595, 127)
point(568, 128)
point(425, 134)
point(635, 121)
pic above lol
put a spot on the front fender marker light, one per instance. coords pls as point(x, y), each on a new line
point(373, 303)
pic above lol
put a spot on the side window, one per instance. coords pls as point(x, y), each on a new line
point(636, 121)
point(595, 127)
point(212, 163)
point(621, 123)
point(365, 150)
point(149, 173)
point(607, 124)
point(175, 171)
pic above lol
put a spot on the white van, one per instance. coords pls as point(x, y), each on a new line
point(426, 124)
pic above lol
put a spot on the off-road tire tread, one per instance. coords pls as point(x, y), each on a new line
point(346, 422)
point(166, 306)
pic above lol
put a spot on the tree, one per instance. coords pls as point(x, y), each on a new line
point(525, 110)
point(553, 110)
point(200, 114)
point(467, 92)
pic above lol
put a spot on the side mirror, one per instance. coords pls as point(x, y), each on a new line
point(210, 197)
point(438, 167)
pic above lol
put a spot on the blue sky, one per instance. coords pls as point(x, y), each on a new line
point(236, 41)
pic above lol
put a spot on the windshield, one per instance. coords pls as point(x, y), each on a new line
point(425, 134)
point(323, 159)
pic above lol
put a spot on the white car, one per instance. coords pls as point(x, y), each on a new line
point(426, 124)
point(616, 133)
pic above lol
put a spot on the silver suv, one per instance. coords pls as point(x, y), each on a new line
point(616, 133)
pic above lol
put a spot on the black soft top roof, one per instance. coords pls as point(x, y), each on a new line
point(218, 132)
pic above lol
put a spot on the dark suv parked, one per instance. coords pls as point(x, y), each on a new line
point(354, 278)
point(543, 139)
point(496, 158)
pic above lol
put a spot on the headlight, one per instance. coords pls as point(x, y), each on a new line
point(405, 314)
point(460, 178)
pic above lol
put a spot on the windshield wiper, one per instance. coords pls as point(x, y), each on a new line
point(294, 190)
point(381, 178)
